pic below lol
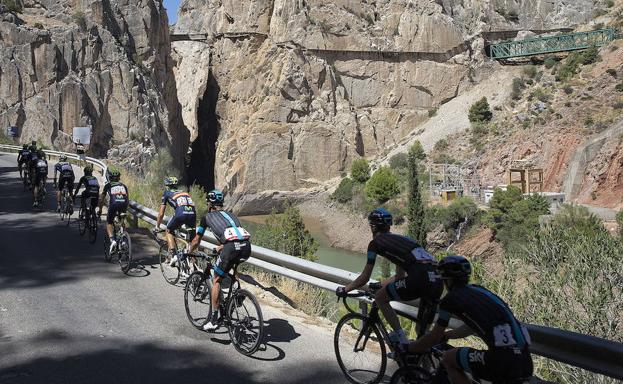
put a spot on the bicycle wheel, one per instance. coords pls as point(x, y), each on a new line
point(82, 223)
point(197, 299)
point(246, 326)
point(124, 249)
point(92, 228)
point(170, 274)
point(410, 374)
point(360, 349)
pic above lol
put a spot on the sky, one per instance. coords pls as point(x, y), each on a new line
point(172, 6)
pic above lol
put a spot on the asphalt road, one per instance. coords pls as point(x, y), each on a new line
point(67, 316)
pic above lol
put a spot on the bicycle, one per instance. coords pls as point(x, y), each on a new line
point(239, 310)
point(414, 374)
point(67, 205)
point(172, 274)
point(87, 220)
point(124, 243)
point(361, 341)
point(41, 192)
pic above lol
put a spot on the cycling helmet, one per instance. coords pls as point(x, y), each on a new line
point(454, 268)
point(33, 143)
point(215, 198)
point(114, 175)
point(40, 153)
point(24, 146)
point(88, 170)
point(171, 182)
point(379, 219)
point(62, 158)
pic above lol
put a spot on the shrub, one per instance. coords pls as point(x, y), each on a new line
point(550, 62)
point(619, 87)
point(398, 161)
point(432, 112)
point(417, 150)
point(518, 86)
point(619, 218)
point(458, 211)
point(12, 5)
point(286, 233)
point(38, 25)
point(568, 89)
point(344, 191)
point(382, 186)
point(80, 20)
point(609, 3)
point(618, 105)
point(577, 217)
point(360, 170)
point(574, 60)
point(480, 112)
point(589, 56)
point(441, 145)
point(529, 71)
point(612, 72)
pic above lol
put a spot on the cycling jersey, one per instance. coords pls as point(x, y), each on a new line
point(91, 186)
point(485, 313)
point(41, 167)
point(180, 201)
point(117, 192)
point(398, 249)
point(224, 225)
point(23, 156)
point(64, 169)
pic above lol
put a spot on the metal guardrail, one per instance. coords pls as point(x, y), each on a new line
point(588, 352)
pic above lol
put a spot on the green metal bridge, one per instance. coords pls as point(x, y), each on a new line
point(552, 44)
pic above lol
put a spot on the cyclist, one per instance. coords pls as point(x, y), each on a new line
point(234, 246)
point(91, 188)
point(22, 158)
point(485, 315)
point(184, 214)
point(40, 173)
point(66, 171)
point(117, 203)
point(411, 259)
point(32, 162)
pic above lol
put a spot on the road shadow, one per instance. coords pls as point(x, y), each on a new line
point(93, 359)
point(272, 290)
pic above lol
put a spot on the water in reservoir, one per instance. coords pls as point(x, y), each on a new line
point(327, 255)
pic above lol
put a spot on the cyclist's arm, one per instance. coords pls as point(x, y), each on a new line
point(429, 340)
point(459, 333)
point(160, 215)
point(100, 204)
point(362, 279)
point(79, 185)
point(19, 156)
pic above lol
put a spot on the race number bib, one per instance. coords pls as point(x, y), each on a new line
point(503, 336)
point(118, 190)
point(238, 233)
point(66, 168)
point(420, 254)
point(183, 201)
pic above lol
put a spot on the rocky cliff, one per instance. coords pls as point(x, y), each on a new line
point(283, 94)
point(104, 63)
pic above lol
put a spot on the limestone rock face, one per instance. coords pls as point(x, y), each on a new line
point(284, 94)
point(103, 63)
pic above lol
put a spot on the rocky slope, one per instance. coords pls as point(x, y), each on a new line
point(285, 93)
point(104, 63)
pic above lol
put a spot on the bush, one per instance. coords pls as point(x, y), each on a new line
point(398, 161)
point(441, 144)
point(518, 86)
point(360, 170)
point(417, 150)
point(550, 62)
point(382, 186)
point(480, 112)
point(12, 5)
point(612, 72)
point(619, 218)
point(577, 217)
point(619, 87)
point(80, 20)
point(618, 105)
point(38, 26)
point(574, 60)
point(286, 233)
point(460, 210)
point(568, 89)
point(432, 112)
point(344, 191)
point(609, 3)
point(529, 71)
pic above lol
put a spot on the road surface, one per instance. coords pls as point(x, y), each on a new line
point(67, 316)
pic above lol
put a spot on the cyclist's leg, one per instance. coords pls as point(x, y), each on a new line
point(173, 224)
point(113, 209)
point(61, 183)
point(455, 361)
point(228, 257)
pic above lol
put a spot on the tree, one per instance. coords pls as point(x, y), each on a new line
point(415, 206)
point(286, 233)
point(382, 186)
point(480, 112)
point(344, 191)
point(418, 151)
point(360, 170)
point(399, 161)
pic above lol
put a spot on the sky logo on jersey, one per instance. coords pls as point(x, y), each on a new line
point(477, 357)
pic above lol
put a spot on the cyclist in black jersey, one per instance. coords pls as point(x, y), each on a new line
point(118, 201)
point(39, 174)
point(234, 246)
point(485, 315)
point(415, 272)
point(91, 188)
point(22, 158)
point(66, 172)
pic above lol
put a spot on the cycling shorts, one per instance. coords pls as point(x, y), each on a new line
point(234, 252)
point(177, 221)
point(421, 282)
point(66, 181)
point(94, 198)
point(114, 209)
point(498, 364)
point(38, 177)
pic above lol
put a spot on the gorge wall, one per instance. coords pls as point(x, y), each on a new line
point(104, 63)
point(284, 94)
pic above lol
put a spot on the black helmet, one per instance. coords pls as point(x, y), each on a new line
point(215, 198)
point(33, 143)
point(25, 146)
point(40, 153)
point(114, 175)
point(62, 158)
point(380, 218)
point(88, 170)
point(454, 268)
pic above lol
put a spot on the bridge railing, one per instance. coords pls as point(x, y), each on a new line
point(584, 351)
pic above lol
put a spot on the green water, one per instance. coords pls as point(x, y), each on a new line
point(327, 255)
